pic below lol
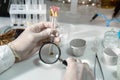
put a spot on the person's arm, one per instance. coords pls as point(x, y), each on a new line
point(27, 44)
point(30, 40)
point(76, 70)
point(7, 58)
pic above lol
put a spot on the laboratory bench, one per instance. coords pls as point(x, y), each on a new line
point(75, 25)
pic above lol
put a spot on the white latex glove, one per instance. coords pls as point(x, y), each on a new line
point(76, 70)
point(30, 40)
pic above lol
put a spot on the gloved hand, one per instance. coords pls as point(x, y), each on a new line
point(76, 70)
point(30, 40)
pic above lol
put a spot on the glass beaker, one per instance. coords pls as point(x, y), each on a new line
point(111, 39)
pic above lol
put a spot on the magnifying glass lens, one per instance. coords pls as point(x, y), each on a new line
point(49, 53)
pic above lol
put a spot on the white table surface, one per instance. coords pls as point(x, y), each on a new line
point(34, 69)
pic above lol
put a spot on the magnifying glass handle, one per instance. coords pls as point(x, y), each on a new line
point(63, 62)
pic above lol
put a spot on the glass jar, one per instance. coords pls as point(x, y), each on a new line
point(111, 39)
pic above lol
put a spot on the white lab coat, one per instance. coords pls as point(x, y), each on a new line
point(7, 58)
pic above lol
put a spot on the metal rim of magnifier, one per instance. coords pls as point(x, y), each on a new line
point(56, 47)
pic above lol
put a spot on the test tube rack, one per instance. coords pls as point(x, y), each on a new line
point(27, 13)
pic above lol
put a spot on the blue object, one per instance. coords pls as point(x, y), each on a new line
point(119, 34)
point(108, 21)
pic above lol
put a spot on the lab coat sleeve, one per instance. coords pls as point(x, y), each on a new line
point(7, 58)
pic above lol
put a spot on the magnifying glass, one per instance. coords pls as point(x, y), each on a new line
point(50, 53)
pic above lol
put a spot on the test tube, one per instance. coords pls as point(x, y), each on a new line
point(35, 20)
point(12, 14)
point(31, 18)
point(34, 2)
point(22, 20)
point(42, 12)
point(28, 2)
point(43, 17)
point(23, 1)
point(73, 7)
point(12, 17)
point(41, 1)
point(14, 2)
point(38, 18)
point(19, 19)
point(28, 18)
point(16, 20)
